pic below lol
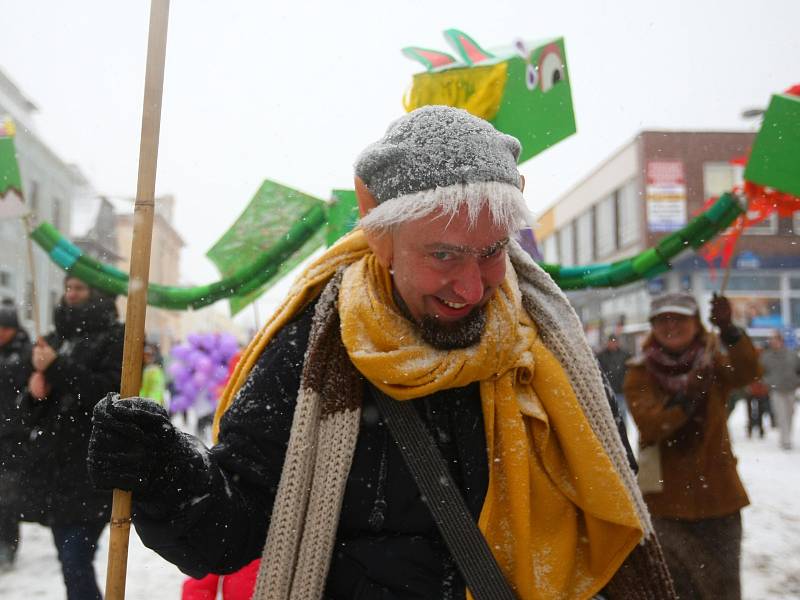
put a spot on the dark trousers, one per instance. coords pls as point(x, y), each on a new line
point(757, 406)
point(76, 545)
point(9, 534)
point(703, 556)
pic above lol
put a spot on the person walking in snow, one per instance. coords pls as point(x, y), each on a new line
point(782, 376)
point(80, 357)
point(431, 310)
point(613, 362)
point(15, 367)
point(154, 385)
point(677, 393)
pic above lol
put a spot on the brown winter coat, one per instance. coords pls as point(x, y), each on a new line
point(698, 467)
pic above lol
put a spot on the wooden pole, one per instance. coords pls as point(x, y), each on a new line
point(712, 341)
point(139, 276)
point(37, 323)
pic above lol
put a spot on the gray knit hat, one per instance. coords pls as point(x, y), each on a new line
point(439, 157)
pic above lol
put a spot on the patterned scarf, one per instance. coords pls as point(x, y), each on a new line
point(562, 509)
point(671, 371)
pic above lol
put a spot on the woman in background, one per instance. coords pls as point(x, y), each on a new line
point(677, 394)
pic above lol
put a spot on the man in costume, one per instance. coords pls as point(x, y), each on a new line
point(431, 302)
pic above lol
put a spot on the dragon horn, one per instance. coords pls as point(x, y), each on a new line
point(430, 59)
point(469, 50)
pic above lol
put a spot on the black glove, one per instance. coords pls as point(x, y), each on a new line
point(130, 441)
point(722, 316)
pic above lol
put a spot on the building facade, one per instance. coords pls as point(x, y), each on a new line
point(652, 186)
point(50, 187)
point(161, 326)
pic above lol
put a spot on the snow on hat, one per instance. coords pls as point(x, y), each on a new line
point(8, 314)
point(439, 157)
point(678, 303)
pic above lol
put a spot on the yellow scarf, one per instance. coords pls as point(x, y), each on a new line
point(556, 515)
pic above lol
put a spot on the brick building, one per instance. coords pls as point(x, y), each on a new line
point(649, 188)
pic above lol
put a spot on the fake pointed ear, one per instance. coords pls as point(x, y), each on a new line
point(430, 59)
point(380, 243)
point(467, 48)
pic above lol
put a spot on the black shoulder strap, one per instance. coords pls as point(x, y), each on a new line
point(447, 506)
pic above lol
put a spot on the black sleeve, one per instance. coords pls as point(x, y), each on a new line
point(218, 519)
point(15, 369)
point(620, 422)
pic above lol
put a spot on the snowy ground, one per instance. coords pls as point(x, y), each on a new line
point(770, 565)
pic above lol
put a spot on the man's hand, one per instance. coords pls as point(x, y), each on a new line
point(129, 443)
point(43, 355)
point(37, 386)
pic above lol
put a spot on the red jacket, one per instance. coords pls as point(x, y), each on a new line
point(236, 586)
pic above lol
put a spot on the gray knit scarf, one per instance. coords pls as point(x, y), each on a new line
point(305, 516)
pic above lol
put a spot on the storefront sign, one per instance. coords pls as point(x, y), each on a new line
point(665, 195)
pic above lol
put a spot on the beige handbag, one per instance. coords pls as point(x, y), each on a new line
point(649, 478)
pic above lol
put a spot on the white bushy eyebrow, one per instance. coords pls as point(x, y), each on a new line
point(486, 251)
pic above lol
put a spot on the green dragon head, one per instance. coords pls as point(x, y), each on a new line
point(523, 90)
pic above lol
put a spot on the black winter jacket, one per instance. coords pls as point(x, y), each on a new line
point(613, 365)
point(15, 369)
point(88, 340)
point(388, 547)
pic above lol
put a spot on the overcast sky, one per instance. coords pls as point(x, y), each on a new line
point(292, 91)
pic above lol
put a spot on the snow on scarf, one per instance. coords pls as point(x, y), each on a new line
point(562, 511)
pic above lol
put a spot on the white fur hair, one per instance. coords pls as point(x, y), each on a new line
point(505, 203)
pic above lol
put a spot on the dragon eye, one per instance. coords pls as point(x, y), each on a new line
point(551, 68)
point(531, 77)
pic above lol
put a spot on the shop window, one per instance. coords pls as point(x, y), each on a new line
point(768, 226)
point(629, 220)
point(550, 246)
point(744, 282)
point(584, 237)
point(56, 213)
point(606, 226)
point(566, 245)
point(794, 308)
point(33, 196)
point(28, 306)
point(757, 312)
point(720, 177)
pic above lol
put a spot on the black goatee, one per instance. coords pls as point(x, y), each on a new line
point(456, 335)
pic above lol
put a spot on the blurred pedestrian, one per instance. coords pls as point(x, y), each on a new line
point(757, 395)
point(74, 365)
point(153, 381)
point(677, 393)
point(782, 375)
point(613, 363)
point(15, 368)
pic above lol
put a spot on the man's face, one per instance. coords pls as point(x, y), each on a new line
point(76, 292)
point(7, 334)
point(776, 341)
point(675, 332)
point(446, 271)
